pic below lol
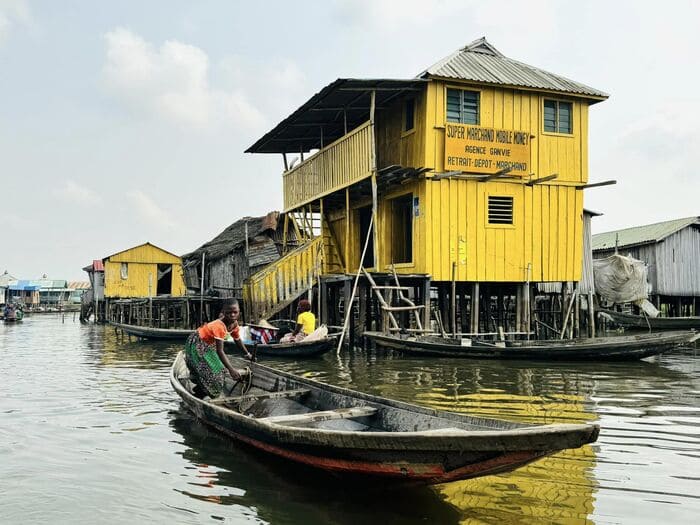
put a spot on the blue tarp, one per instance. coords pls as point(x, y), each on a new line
point(26, 286)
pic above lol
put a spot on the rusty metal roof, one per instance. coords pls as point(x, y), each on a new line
point(639, 235)
point(480, 62)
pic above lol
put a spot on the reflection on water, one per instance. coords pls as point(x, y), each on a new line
point(91, 430)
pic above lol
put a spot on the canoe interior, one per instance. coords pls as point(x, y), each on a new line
point(302, 349)
point(590, 349)
point(340, 430)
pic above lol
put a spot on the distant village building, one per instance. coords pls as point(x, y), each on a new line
point(468, 180)
point(43, 292)
point(25, 292)
point(53, 292)
point(143, 271)
point(243, 248)
point(139, 272)
point(5, 279)
point(76, 290)
point(671, 251)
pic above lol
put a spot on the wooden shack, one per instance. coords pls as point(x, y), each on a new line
point(243, 248)
point(143, 271)
point(671, 251)
point(467, 181)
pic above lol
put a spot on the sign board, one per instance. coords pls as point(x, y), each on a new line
point(475, 149)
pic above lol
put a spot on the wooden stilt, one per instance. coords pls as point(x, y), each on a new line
point(426, 303)
point(475, 309)
point(591, 316)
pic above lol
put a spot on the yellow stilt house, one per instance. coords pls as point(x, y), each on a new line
point(470, 174)
point(143, 271)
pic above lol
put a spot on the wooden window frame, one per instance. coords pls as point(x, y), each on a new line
point(557, 101)
point(404, 114)
point(463, 88)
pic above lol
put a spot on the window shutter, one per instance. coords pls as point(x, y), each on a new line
point(453, 105)
point(550, 115)
point(564, 117)
point(470, 107)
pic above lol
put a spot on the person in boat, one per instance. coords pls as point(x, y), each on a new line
point(306, 323)
point(205, 356)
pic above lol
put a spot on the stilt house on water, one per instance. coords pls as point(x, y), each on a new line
point(671, 251)
point(468, 178)
point(144, 271)
point(247, 246)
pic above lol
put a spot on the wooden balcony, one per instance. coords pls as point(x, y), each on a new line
point(336, 166)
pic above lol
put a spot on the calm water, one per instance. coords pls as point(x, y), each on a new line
point(90, 431)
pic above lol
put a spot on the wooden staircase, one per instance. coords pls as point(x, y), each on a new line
point(272, 289)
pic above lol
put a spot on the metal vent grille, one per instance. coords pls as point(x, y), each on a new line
point(500, 210)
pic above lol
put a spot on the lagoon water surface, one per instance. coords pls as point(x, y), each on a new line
point(91, 431)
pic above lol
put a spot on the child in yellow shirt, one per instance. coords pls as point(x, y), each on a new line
point(306, 323)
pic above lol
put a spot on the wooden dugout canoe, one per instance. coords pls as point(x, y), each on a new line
point(348, 432)
point(147, 332)
point(302, 349)
point(655, 323)
point(591, 349)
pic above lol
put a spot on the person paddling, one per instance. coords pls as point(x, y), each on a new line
point(205, 356)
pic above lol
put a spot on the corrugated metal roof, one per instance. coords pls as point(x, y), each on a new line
point(24, 285)
point(344, 103)
point(78, 285)
point(481, 62)
point(638, 235)
point(52, 284)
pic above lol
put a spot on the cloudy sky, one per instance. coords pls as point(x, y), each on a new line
point(125, 122)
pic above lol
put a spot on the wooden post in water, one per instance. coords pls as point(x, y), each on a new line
point(426, 302)
point(591, 315)
point(475, 309)
point(453, 300)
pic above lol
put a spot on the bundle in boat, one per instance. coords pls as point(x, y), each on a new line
point(349, 432)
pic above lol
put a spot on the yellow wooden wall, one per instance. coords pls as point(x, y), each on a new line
point(566, 155)
point(143, 261)
point(452, 223)
point(547, 232)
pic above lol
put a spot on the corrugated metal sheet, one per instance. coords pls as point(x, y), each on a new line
point(678, 264)
point(481, 62)
point(640, 234)
point(78, 285)
point(587, 283)
point(24, 285)
point(318, 121)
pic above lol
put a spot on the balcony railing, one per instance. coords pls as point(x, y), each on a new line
point(338, 165)
point(276, 286)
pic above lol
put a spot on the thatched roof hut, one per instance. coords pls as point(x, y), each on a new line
point(243, 248)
